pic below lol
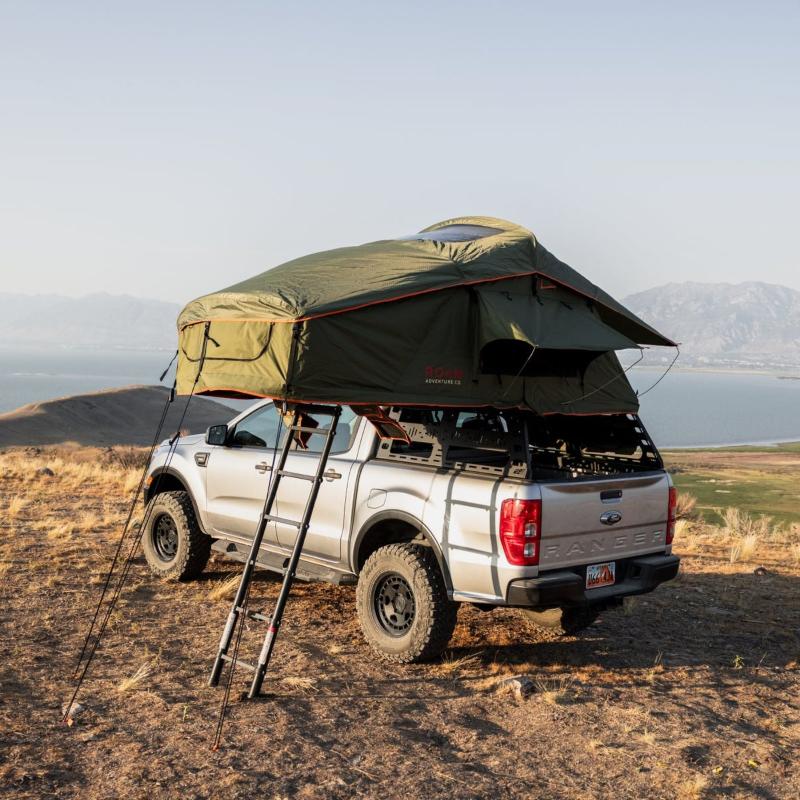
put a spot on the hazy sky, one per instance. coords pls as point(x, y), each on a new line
point(169, 149)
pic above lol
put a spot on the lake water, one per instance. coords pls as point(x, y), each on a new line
point(685, 409)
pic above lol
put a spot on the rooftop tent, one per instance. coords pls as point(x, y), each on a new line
point(469, 312)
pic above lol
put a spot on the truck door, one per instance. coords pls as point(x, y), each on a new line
point(327, 522)
point(238, 475)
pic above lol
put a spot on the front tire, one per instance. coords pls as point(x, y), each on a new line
point(403, 607)
point(174, 545)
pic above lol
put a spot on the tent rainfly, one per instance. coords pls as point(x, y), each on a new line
point(470, 312)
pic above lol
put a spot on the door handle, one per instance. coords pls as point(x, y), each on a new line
point(263, 467)
point(331, 475)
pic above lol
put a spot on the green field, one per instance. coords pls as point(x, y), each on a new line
point(759, 480)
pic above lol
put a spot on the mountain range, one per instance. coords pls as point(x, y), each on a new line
point(95, 320)
point(745, 325)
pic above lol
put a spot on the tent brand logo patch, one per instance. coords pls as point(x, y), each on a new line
point(451, 376)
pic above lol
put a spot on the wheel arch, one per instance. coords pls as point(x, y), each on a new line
point(170, 480)
point(390, 527)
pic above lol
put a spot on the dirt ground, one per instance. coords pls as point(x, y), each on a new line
point(692, 691)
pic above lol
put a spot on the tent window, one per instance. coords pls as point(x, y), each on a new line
point(513, 357)
point(453, 233)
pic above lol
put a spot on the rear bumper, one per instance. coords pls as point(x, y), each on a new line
point(565, 588)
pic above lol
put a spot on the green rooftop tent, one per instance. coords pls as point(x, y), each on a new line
point(470, 312)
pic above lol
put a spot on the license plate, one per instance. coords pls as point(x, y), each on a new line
point(600, 575)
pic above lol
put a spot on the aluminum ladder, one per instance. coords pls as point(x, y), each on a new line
point(239, 607)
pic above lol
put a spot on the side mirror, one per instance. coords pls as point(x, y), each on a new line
point(217, 434)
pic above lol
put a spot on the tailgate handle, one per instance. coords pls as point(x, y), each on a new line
point(611, 495)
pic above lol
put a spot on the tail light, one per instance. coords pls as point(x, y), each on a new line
point(521, 531)
point(672, 513)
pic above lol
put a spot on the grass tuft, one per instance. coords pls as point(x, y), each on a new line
point(740, 524)
point(141, 674)
point(693, 789)
point(224, 590)
point(556, 691)
point(15, 505)
point(303, 684)
point(450, 665)
point(686, 508)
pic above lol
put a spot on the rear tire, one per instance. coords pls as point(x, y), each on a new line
point(403, 607)
point(173, 543)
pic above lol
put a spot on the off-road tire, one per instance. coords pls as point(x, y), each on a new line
point(192, 547)
point(571, 621)
point(434, 616)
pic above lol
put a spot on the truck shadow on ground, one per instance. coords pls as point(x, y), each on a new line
point(702, 619)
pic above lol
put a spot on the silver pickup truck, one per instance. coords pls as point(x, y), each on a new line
point(561, 516)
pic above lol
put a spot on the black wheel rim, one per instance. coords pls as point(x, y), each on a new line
point(394, 604)
point(165, 537)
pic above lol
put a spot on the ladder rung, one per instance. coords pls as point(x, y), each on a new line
point(306, 429)
point(240, 663)
point(301, 476)
point(283, 521)
point(258, 616)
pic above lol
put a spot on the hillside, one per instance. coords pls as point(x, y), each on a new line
point(126, 416)
point(96, 320)
point(688, 693)
point(750, 324)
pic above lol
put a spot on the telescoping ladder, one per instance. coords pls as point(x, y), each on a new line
point(295, 433)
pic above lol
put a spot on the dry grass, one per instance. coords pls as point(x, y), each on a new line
point(59, 531)
point(89, 521)
point(450, 665)
point(490, 684)
point(300, 683)
point(125, 458)
point(556, 691)
point(692, 789)
point(15, 505)
point(686, 534)
point(647, 738)
point(687, 506)
point(740, 524)
point(745, 548)
point(224, 590)
point(398, 731)
point(144, 671)
point(131, 482)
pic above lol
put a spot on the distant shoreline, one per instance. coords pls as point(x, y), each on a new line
point(765, 373)
point(771, 445)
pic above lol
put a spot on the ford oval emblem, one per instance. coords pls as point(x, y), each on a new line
point(610, 517)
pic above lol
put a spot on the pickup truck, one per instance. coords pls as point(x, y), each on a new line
point(560, 516)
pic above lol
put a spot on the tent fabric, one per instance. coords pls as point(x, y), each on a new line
point(408, 321)
point(552, 320)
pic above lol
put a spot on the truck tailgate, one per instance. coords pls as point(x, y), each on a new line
point(590, 521)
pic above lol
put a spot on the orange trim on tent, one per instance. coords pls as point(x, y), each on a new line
point(404, 297)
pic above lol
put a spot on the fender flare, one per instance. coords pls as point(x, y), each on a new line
point(401, 516)
point(173, 473)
